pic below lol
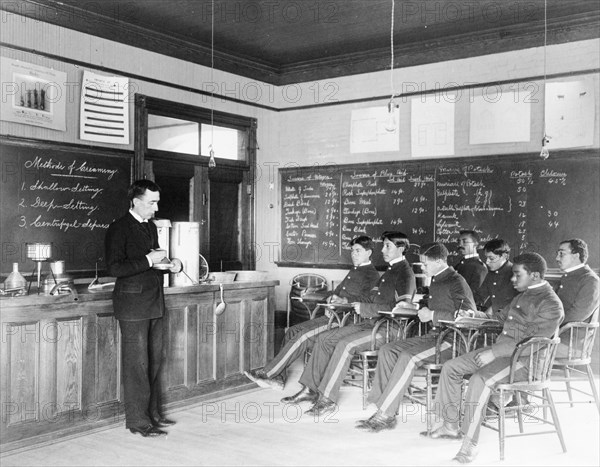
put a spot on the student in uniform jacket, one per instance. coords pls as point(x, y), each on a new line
point(397, 361)
point(469, 264)
point(355, 287)
point(577, 289)
point(131, 251)
point(535, 312)
point(334, 349)
point(496, 291)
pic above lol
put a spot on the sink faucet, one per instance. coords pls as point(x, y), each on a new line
point(65, 285)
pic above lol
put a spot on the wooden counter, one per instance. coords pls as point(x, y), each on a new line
point(60, 358)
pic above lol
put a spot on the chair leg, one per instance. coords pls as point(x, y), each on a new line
point(428, 400)
point(519, 410)
point(548, 397)
point(593, 385)
point(501, 420)
point(365, 381)
point(568, 384)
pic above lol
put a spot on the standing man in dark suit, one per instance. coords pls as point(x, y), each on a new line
point(131, 253)
point(470, 265)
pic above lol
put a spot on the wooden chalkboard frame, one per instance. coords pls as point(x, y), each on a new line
point(504, 161)
point(122, 158)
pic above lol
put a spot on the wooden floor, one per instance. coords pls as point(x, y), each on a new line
point(254, 428)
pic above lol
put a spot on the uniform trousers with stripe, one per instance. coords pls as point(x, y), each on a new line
point(396, 365)
point(332, 355)
point(447, 401)
point(297, 340)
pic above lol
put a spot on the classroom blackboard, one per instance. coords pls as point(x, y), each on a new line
point(530, 202)
point(65, 195)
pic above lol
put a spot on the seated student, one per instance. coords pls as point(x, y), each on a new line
point(536, 311)
point(496, 291)
point(355, 287)
point(578, 287)
point(398, 360)
point(333, 351)
point(469, 265)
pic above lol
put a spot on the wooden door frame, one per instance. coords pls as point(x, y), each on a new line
point(199, 164)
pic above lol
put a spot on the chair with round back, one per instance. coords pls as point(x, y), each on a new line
point(306, 292)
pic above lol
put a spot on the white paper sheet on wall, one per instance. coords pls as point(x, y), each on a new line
point(500, 118)
point(570, 114)
point(104, 115)
point(368, 133)
point(432, 125)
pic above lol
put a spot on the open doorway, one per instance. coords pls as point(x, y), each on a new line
point(172, 148)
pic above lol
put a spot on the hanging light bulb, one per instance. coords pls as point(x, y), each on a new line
point(391, 123)
point(211, 161)
point(544, 154)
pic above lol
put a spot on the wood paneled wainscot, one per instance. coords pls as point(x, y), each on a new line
point(61, 366)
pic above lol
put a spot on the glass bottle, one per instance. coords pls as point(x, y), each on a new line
point(15, 279)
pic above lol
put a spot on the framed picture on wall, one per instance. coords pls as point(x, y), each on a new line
point(33, 94)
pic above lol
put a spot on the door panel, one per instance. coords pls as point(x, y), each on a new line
point(224, 226)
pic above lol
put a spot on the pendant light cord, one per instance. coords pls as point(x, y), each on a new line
point(545, 43)
point(212, 68)
point(392, 53)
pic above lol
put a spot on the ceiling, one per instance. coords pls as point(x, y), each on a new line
point(283, 42)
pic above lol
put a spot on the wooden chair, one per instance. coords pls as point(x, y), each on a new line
point(537, 355)
point(426, 378)
point(306, 292)
point(581, 342)
point(484, 336)
point(362, 367)
point(337, 319)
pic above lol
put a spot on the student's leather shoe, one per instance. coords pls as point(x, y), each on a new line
point(148, 431)
point(446, 431)
point(264, 381)
point(162, 422)
point(322, 407)
point(467, 453)
point(305, 394)
point(380, 422)
point(365, 423)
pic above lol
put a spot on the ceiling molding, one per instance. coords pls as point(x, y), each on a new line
point(520, 36)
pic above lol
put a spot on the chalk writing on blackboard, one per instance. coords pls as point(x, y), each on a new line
point(62, 194)
point(529, 202)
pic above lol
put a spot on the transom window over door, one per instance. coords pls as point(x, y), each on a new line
point(173, 143)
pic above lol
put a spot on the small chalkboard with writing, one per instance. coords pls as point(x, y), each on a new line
point(531, 203)
point(63, 195)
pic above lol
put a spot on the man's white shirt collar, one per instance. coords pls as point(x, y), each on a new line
point(137, 217)
point(472, 255)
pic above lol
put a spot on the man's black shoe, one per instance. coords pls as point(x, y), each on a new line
point(148, 431)
point(305, 394)
point(162, 422)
